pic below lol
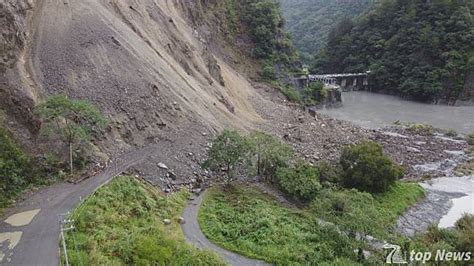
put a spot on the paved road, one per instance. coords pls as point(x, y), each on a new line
point(193, 234)
point(35, 242)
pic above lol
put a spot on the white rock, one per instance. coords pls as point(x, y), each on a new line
point(162, 166)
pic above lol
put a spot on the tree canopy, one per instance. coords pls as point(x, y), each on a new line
point(309, 21)
point(228, 150)
point(418, 49)
point(367, 168)
point(265, 25)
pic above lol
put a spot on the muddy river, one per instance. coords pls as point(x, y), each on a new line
point(374, 110)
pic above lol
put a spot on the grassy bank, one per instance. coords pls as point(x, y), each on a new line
point(362, 212)
point(122, 224)
point(255, 225)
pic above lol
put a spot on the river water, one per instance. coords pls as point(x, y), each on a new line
point(448, 198)
point(374, 110)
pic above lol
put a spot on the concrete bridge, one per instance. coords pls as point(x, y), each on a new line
point(347, 81)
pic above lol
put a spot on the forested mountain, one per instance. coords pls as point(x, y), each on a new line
point(309, 21)
point(419, 49)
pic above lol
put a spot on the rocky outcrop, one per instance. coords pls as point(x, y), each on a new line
point(17, 98)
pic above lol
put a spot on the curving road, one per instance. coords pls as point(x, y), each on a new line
point(29, 232)
point(193, 234)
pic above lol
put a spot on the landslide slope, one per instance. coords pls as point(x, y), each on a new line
point(153, 67)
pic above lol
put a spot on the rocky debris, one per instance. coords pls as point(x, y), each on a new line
point(166, 221)
point(181, 220)
point(422, 155)
point(162, 166)
point(317, 137)
point(171, 175)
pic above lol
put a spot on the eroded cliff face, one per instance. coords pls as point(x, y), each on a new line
point(17, 95)
point(156, 68)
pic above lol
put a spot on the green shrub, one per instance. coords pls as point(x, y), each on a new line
point(464, 230)
point(15, 168)
point(451, 133)
point(470, 139)
point(329, 173)
point(300, 181)
point(228, 150)
point(315, 93)
point(268, 71)
point(421, 129)
point(366, 168)
point(352, 210)
point(73, 121)
point(292, 94)
point(270, 154)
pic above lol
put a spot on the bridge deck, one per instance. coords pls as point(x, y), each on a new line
point(345, 75)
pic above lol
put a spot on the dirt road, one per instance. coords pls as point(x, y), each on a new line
point(29, 232)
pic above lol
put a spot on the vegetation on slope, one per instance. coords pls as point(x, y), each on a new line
point(122, 224)
point(309, 21)
point(245, 221)
point(361, 212)
point(70, 120)
point(418, 49)
point(19, 171)
point(14, 168)
point(242, 220)
point(459, 239)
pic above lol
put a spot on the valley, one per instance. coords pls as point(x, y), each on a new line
point(169, 133)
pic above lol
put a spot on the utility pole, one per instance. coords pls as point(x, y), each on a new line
point(65, 225)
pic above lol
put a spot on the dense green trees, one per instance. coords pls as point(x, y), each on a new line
point(366, 168)
point(265, 24)
point(415, 48)
point(309, 21)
